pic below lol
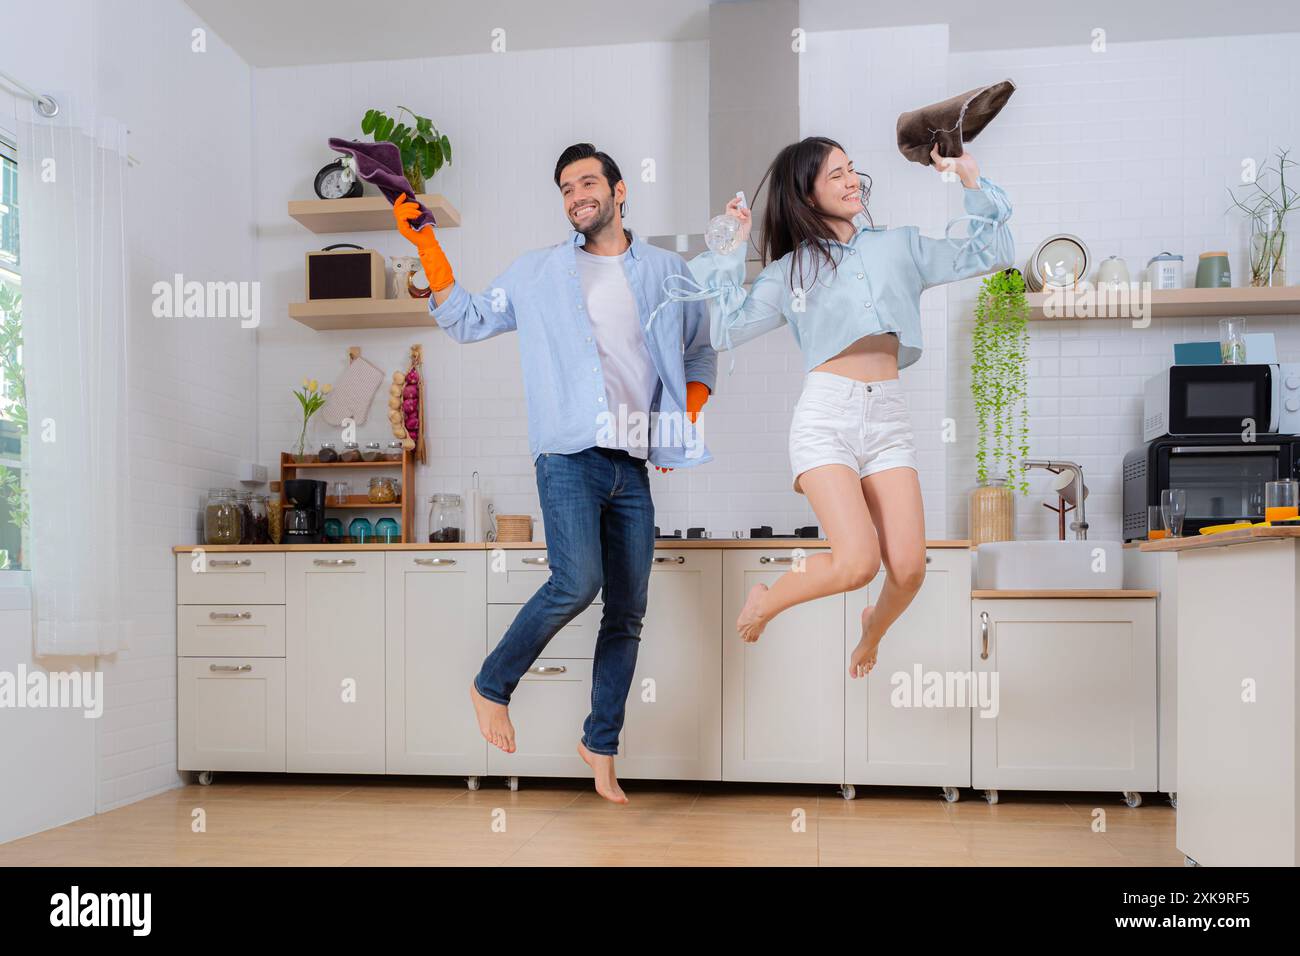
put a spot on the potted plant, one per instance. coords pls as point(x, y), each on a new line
point(13, 410)
point(424, 149)
point(1266, 210)
point(311, 398)
point(999, 386)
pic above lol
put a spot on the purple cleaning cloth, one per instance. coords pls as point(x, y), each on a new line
point(381, 164)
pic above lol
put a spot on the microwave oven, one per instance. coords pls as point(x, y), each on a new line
point(1223, 478)
point(1224, 400)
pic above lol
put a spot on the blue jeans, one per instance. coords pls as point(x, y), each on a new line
point(599, 534)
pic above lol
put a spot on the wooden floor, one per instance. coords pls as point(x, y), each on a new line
point(360, 821)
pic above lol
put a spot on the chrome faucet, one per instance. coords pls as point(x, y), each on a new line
point(1080, 523)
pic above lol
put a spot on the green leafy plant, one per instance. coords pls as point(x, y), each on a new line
point(13, 397)
point(999, 378)
point(424, 149)
point(1267, 208)
point(311, 398)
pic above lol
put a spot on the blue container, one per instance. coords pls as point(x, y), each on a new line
point(360, 531)
point(333, 530)
point(388, 531)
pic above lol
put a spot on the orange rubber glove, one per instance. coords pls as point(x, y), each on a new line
point(697, 393)
point(436, 267)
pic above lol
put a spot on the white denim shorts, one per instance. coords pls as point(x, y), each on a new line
point(841, 421)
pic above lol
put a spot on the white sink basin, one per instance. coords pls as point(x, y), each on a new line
point(1034, 565)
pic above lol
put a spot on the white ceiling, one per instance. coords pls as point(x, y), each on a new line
point(290, 32)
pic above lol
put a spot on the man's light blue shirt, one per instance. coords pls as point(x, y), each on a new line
point(540, 295)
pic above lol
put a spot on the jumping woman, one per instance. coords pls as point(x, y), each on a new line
point(851, 294)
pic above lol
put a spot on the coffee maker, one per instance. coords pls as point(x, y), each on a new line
point(304, 515)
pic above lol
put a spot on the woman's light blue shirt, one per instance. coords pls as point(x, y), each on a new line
point(874, 289)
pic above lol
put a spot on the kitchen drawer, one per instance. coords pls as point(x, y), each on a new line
point(230, 714)
point(230, 630)
point(548, 709)
point(514, 576)
point(575, 639)
point(230, 577)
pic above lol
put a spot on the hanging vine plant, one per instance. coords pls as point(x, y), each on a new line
point(999, 379)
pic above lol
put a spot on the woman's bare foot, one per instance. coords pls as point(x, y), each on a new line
point(602, 766)
point(864, 655)
point(493, 721)
point(750, 624)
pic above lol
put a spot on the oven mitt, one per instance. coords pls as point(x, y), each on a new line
point(381, 164)
point(352, 395)
point(952, 123)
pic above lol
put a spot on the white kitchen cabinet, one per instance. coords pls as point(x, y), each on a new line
point(334, 656)
point(548, 707)
point(1075, 701)
point(895, 732)
point(673, 723)
point(514, 574)
point(229, 577)
point(435, 642)
point(230, 630)
point(782, 696)
point(1158, 571)
point(230, 714)
point(673, 727)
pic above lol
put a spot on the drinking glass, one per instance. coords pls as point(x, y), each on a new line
point(342, 491)
point(1232, 341)
point(1156, 524)
point(1173, 508)
point(1280, 500)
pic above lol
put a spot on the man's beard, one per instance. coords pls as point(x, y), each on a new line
point(601, 218)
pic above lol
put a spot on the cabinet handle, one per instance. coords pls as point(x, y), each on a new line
point(230, 615)
point(768, 560)
point(928, 559)
point(542, 561)
point(227, 563)
point(334, 562)
point(548, 669)
point(236, 668)
point(435, 562)
point(984, 635)
point(680, 559)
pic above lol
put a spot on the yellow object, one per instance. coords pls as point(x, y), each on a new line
point(1216, 528)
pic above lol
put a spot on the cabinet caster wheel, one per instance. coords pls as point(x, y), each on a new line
point(1188, 861)
point(471, 783)
point(1173, 799)
point(951, 794)
point(1133, 798)
point(991, 796)
point(512, 783)
point(205, 778)
point(847, 791)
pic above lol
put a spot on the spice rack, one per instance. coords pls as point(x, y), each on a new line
point(322, 471)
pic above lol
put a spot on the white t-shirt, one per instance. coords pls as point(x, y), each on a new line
point(630, 375)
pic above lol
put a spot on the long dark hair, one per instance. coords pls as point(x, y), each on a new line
point(790, 221)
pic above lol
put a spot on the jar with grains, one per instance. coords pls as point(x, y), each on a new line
point(383, 490)
point(261, 519)
point(444, 518)
point(244, 499)
point(221, 517)
point(372, 452)
point(394, 452)
point(351, 452)
point(328, 452)
point(275, 519)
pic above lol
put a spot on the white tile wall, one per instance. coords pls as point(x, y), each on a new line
point(1133, 150)
point(193, 400)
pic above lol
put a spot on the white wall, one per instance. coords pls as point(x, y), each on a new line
point(193, 381)
point(508, 116)
point(1132, 150)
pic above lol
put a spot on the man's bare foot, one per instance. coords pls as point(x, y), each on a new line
point(750, 624)
point(602, 765)
point(493, 721)
point(864, 655)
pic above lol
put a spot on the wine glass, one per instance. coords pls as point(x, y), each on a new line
point(1173, 508)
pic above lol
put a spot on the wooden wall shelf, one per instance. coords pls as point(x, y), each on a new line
point(365, 213)
point(333, 315)
point(406, 500)
point(1180, 303)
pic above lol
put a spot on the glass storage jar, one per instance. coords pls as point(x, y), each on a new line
point(372, 452)
point(444, 518)
point(351, 452)
point(383, 490)
point(394, 452)
point(328, 452)
point(261, 519)
point(221, 517)
point(244, 500)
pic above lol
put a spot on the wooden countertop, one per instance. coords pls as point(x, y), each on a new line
point(667, 544)
point(1111, 593)
point(1245, 535)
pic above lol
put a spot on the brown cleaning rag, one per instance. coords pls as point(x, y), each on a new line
point(952, 123)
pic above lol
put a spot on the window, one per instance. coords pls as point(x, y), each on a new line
point(13, 394)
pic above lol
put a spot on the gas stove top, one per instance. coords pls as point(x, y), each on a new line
point(764, 531)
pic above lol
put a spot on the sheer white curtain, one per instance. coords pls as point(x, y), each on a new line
point(72, 181)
